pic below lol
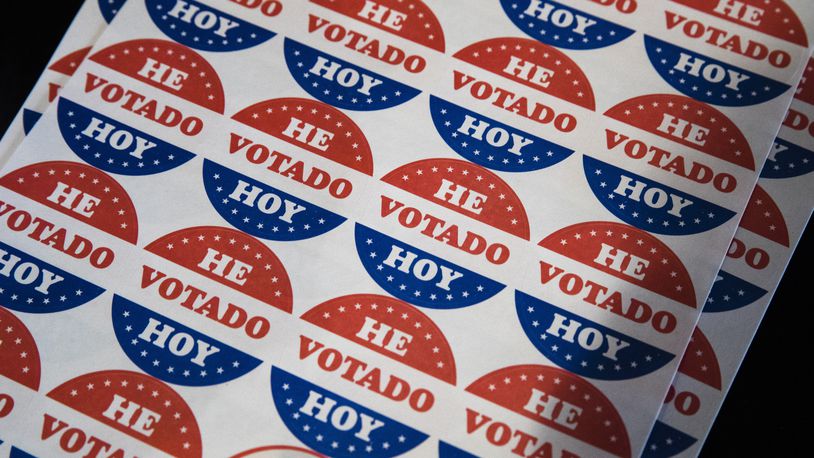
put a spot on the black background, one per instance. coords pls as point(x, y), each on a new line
point(772, 385)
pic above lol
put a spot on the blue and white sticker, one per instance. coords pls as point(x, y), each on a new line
point(584, 347)
point(666, 441)
point(113, 146)
point(649, 205)
point(110, 8)
point(556, 24)
point(200, 26)
point(30, 118)
point(446, 450)
point(418, 277)
point(172, 352)
point(491, 143)
point(262, 210)
point(31, 285)
point(336, 426)
point(340, 83)
point(787, 160)
point(730, 292)
point(709, 80)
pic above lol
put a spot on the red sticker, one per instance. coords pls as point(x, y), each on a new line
point(532, 64)
point(466, 188)
point(278, 451)
point(137, 405)
point(68, 64)
point(409, 19)
point(231, 258)
point(390, 327)
point(315, 126)
point(168, 66)
point(627, 253)
point(763, 217)
point(699, 361)
point(772, 17)
point(19, 357)
point(580, 409)
point(688, 122)
point(79, 191)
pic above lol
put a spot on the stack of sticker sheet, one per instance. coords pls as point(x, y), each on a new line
point(376, 228)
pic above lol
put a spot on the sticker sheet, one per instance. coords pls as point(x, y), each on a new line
point(381, 227)
point(773, 223)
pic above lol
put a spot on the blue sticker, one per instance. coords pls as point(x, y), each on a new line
point(649, 205)
point(418, 277)
point(334, 425)
point(340, 83)
point(584, 347)
point(28, 284)
point(559, 25)
point(709, 80)
point(17, 453)
point(450, 451)
point(199, 26)
point(787, 160)
point(110, 8)
point(666, 441)
point(113, 146)
point(730, 292)
point(30, 118)
point(262, 210)
point(172, 352)
point(490, 143)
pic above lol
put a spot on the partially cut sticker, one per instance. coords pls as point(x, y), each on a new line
point(19, 356)
point(763, 217)
point(787, 160)
point(731, 293)
point(700, 362)
point(31, 285)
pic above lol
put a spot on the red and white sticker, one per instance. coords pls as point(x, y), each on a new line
point(168, 66)
point(79, 191)
point(466, 188)
point(136, 404)
point(315, 126)
point(19, 356)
